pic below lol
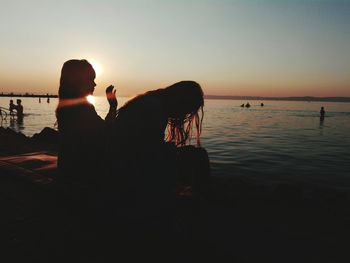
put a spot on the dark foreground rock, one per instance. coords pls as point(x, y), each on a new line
point(12, 142)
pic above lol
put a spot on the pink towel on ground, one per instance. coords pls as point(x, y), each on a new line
point(41, 167)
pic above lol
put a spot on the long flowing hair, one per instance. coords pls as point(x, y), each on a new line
point(72, 90)
point(179, 130)
point(179, 127)
point(73, 77)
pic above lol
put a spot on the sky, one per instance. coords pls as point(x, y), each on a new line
point(237, 47)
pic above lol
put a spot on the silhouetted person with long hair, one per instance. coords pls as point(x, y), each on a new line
point(147, 131)
point(81, 156)
point(82, 131)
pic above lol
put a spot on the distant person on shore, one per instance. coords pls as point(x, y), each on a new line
point(12, 106)
point(247, 105)
point(322, 114)
point(262, 104)
point(81, 156)
point(39, 100)
point(19, 109)
point(48, 99)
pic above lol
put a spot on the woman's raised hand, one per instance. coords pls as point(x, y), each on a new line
point(110, 94)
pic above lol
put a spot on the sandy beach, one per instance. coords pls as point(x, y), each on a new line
point(236, 220)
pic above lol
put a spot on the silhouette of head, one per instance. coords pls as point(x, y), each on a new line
point(184, 100)
point(11, 101)
point(77, 79)
point(182, 103)
point(19, 101)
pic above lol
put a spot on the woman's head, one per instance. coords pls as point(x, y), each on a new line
point(184, 101)
point(77, 79)
point(183, 105)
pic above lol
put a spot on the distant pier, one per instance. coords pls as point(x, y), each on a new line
point(28, 95)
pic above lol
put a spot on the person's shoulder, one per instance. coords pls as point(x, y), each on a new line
point(88, 110)
point(151, 103)
point(144, 105)
point(82, 110)
point(144, 110)
point(85, 107)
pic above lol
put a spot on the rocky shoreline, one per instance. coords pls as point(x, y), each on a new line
point(235, 220)
point(12, 142)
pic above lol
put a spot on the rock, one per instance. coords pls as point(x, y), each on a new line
point(47, 135)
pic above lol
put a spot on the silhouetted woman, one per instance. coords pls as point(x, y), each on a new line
point(81, 156)
point(82, 132)
point(147, 133)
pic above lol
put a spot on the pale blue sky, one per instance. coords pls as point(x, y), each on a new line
point(267, 48)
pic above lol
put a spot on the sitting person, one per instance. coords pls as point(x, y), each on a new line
point(147, 133)
point(81, 130)
point(81, 158)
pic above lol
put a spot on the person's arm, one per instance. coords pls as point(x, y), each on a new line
point(113, 104)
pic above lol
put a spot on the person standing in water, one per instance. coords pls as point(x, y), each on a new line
point(12, 106)
point(322, 114)
point(19, 109)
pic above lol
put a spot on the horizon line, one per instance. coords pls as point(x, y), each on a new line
point(210, 96)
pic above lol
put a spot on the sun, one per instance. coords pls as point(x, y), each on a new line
point(91, 99)
point(97, 67)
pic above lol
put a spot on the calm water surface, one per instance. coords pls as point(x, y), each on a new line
point(282, 141)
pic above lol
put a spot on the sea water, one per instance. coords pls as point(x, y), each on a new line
point(281, 141)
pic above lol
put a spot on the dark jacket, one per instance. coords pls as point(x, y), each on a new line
point(82, 146)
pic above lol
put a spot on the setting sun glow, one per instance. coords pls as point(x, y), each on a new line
point(97, 67)
point(91, 99)
point(231, 48)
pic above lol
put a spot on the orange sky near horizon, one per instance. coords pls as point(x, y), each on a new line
point(231, 47)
